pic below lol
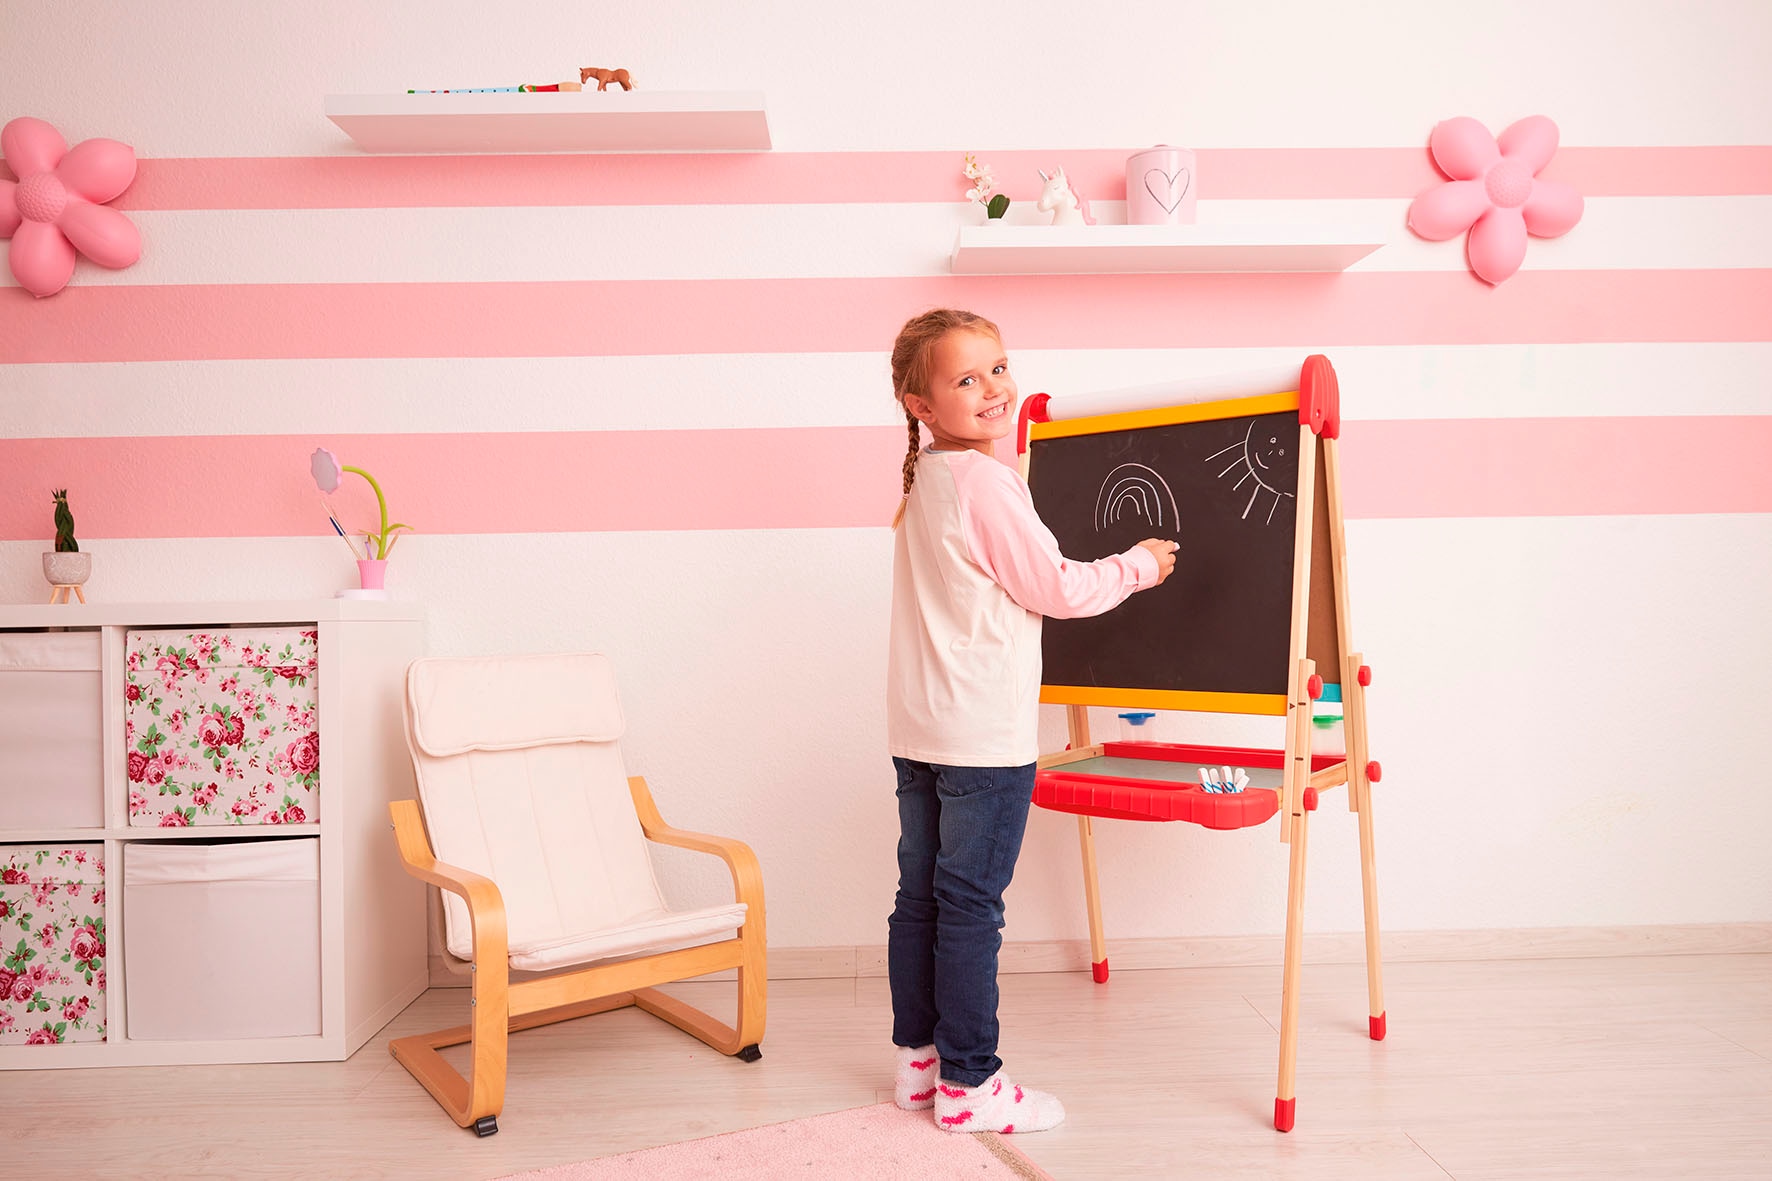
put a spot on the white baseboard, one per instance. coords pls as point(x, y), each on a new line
point(1223, 951)
point(371, 1025)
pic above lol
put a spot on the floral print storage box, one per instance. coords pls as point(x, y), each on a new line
point(222, 726)
point(52, 944)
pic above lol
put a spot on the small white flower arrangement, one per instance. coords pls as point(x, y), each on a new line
point(982, 185)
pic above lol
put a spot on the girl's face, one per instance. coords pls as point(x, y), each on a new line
point(971, 398)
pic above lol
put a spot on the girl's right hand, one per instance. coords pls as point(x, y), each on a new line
point(1164, 551)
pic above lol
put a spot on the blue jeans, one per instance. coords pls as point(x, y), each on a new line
point(960, 831)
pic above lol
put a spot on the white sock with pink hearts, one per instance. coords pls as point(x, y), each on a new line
point(916, 1070)
point(995, 1105)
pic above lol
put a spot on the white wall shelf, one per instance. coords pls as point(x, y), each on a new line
point(1123, 249)
point(371, 954)
point(635, 121)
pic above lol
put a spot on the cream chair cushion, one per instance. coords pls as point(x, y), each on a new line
point(520, 773)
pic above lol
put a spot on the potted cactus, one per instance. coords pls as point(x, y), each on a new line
point(65, 566)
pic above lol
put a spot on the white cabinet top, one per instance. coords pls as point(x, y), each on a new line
point(205, 614)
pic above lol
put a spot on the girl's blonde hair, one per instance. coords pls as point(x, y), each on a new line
point(910, 373)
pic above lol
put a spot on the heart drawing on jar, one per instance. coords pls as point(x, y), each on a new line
point(1175, 185)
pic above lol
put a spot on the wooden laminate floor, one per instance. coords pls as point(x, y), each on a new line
point(1594, 1068)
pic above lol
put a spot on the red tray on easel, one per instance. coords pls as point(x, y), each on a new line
point(1159, 781)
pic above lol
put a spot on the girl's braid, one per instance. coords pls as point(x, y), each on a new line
point(910, 373)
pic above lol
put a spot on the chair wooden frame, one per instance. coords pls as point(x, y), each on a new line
point(499, 1007)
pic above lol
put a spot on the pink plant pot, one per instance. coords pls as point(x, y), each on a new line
point(372, 573)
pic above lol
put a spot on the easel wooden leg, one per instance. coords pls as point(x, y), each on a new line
point(1369, 889)
point(1098, 963)
point(1077, 718)
point(1301, 800)
point(1359, 784)
point(1286, 1101)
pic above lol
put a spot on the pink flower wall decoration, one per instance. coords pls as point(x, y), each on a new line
point(57, 205)
point(1495, 192)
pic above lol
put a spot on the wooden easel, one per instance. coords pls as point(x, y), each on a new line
point(1318, 542)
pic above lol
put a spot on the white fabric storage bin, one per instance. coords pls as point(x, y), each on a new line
point(222, 940)
point(51, 761)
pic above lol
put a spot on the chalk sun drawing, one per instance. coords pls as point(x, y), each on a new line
point(1256, 461)
point(1135, 488)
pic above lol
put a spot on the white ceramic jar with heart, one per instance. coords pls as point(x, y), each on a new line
point(1160, 186)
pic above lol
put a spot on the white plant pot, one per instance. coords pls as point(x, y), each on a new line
point(66, 569)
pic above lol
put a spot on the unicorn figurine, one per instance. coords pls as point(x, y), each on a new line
point(1057, 199)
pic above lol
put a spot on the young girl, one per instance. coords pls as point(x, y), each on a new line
point(973, 572)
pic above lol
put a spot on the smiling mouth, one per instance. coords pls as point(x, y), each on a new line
point(997, 411)
point(1257, 458)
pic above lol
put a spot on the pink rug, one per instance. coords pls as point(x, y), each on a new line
point(879, 1143)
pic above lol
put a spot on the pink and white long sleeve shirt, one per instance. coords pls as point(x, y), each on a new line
point(974, 572)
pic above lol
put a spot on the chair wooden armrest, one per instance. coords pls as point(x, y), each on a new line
point(486, 906)
point(747, 874)
point(753, 971)
point(476, 1098)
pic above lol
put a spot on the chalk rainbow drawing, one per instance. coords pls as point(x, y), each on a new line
point(1255, 460)
point(1135, 487)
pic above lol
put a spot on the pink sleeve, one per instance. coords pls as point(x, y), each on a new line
point(1009, 541)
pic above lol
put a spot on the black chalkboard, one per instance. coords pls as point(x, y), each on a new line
point(1226, 490)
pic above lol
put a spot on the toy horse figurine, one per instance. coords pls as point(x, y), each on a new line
point(605, 77)
point(1058, 199)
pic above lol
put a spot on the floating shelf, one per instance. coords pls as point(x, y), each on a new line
point(548, 121)
point(1085, 250)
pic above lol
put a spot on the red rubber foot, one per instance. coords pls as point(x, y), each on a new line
point(1377, 1024)
point(1099, 971)
point(1285, 1111)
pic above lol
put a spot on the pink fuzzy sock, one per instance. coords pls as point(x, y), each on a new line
point(995, 1105)
point(914, 1077)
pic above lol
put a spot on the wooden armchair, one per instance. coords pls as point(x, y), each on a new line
point(538, 839)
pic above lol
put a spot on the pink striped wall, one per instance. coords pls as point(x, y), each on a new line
point(258, 486)
point(194, 322)
point(693, 478)
point(332, 182)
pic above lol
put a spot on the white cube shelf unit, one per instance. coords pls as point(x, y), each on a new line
point(371, 948)
point(1124, 249)
point(637, 121)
